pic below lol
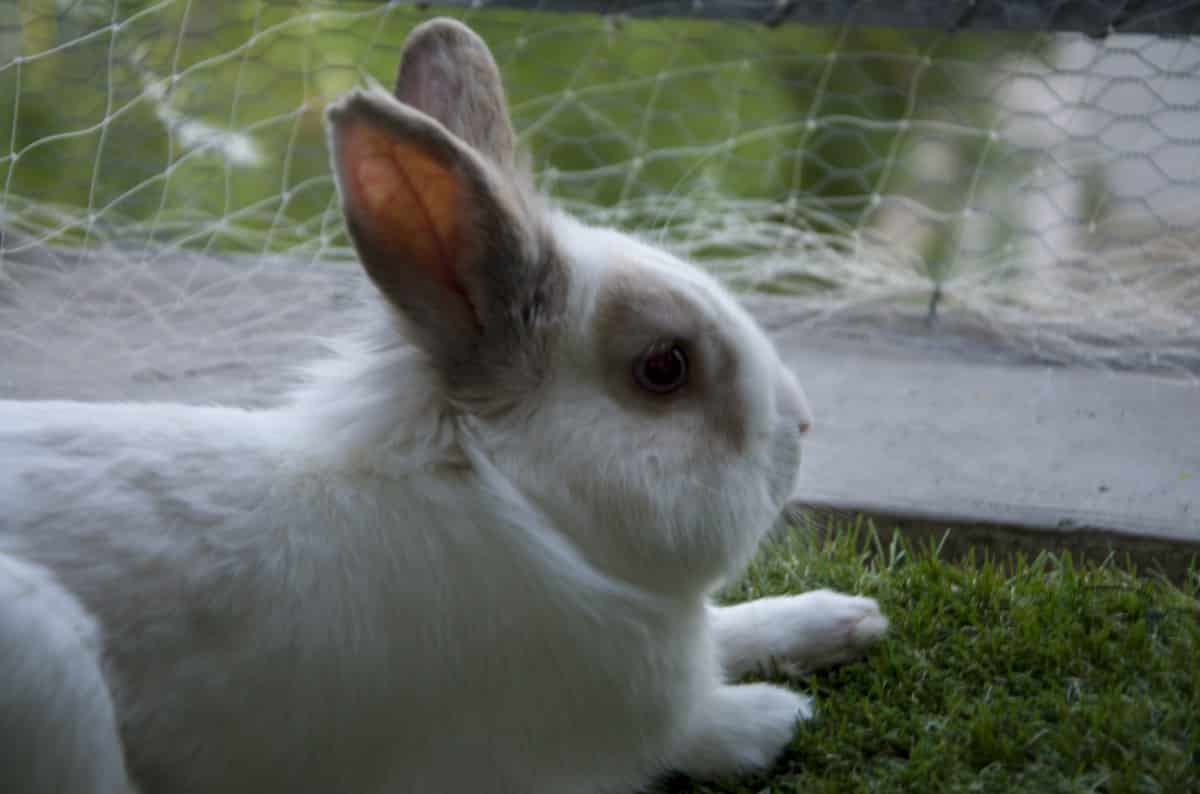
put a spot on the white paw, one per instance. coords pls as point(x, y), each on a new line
point(746, 728)
point(771, 724)
point(823, 628)
point(780, 707)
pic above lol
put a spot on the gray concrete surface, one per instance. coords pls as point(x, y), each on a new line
point(1012, 456)
point(1021, 444)
point(933, 426)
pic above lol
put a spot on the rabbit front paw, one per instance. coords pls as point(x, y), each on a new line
point(795, 635)
point(742, 729)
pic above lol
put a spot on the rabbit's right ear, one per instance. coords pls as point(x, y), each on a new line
point(447, 236)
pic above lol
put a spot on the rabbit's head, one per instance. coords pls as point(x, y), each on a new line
point(625, 393)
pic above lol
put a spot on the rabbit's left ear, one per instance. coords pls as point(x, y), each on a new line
point(447, 237)
point(447, 72)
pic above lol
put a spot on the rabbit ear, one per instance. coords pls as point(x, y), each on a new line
point(448, 73)
point(447, 239)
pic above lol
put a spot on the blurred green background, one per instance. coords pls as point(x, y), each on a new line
point(201, 123)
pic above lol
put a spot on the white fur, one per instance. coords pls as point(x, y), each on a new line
point(368, 591)
point(363, 593)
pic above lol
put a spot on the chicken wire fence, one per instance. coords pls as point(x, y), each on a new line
point(1024, 174)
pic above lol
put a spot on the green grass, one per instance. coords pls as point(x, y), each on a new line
point(1040, 675)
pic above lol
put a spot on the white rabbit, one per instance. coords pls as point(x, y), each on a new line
point(475, 554)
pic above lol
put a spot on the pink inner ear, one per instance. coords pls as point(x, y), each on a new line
point(412, 207)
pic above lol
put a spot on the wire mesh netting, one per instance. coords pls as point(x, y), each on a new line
point(168, 212)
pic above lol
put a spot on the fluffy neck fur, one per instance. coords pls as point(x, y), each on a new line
point(375, 411)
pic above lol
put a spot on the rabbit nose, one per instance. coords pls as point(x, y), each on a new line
point(792, 402)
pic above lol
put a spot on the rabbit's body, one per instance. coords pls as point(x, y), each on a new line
point(249, 649)
point(474, 554)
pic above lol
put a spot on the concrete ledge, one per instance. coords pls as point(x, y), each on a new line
point(933, 429)
point(1176, 556)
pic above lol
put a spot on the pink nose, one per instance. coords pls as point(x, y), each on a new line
point(793, 403)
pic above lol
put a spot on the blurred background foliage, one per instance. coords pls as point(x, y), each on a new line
point(201, 122)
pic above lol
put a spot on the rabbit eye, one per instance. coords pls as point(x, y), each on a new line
point(661, 369)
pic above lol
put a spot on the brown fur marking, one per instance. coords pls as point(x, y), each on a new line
point(634, 311)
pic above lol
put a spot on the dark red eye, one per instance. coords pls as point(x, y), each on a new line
point(661, 369)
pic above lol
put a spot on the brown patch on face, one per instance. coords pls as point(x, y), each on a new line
point(636, 311)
